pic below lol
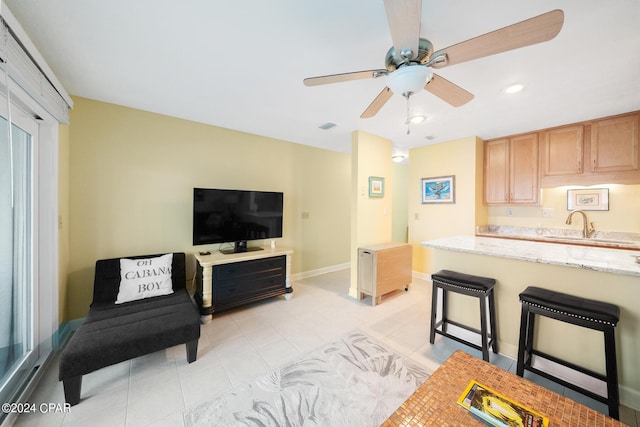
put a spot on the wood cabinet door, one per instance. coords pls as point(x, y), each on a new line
point(496, 172)
point(562, 151)
point(523, 158)
point(614, 144)
point(393, 269)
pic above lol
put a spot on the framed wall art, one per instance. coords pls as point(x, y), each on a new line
point(376, 186)
point(439, 189)
point(588, 199)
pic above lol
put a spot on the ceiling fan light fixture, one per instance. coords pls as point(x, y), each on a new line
point(409, 79)
point(514, 88)
point(417, 119)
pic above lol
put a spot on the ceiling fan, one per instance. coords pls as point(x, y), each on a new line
point(409, 62)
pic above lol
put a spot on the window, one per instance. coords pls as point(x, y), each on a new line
point(31, 106)
point(17, 356)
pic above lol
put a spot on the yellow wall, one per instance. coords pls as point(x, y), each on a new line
point(371, 217)
point(462, 158)
point(400, 202)
point(131, 175)
point(623, 213)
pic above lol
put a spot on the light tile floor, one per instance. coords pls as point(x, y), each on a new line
point(235, 347)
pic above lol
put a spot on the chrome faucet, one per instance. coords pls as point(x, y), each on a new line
point(586, 231)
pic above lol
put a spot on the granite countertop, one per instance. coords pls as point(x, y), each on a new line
point(618, 261)
point(604, 239)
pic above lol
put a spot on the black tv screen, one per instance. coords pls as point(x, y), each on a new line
point(226, 216)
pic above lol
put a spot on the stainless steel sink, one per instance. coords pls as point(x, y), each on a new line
point(565, 238)
point(622, 242)
point(592, 240)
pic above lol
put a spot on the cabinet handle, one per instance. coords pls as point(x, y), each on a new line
point(594, 164)
point(230, 290)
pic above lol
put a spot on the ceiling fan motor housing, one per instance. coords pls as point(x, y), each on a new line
point(394, 60)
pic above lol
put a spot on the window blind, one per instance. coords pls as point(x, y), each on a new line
point(27, 74)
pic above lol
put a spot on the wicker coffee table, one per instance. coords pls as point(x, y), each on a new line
point(434, 402)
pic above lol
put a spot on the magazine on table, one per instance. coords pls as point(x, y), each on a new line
point(498, 410)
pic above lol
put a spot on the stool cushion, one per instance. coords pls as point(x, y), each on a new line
point(465, 280)
point(576, 306)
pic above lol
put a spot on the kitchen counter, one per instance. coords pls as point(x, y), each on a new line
point(602, 274)
point(618, 261)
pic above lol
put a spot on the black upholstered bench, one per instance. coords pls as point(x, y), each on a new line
point(578, 311)
point(113, 333)
point(474, 286)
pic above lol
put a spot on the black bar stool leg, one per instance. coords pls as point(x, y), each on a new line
point(445, 309)
point(522, 341)
point(483, 329)
point(434, 313)
point(612, 373)
point(492, 322)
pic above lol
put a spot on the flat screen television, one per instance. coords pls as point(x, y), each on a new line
point(235, 216)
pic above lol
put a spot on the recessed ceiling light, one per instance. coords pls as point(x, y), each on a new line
point(514, 88)
point(429, 137)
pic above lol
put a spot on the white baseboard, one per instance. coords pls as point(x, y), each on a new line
point(64, 332)
point(420, 275)
point(345, 266)
point(630, 397)
point(324, 270)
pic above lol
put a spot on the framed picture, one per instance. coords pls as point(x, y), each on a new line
point(440, 189)
point(376, 186)
point(588, 199)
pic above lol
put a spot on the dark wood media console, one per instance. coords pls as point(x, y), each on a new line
point(225, 282)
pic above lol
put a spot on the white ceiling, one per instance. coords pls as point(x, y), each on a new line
point(240, 64)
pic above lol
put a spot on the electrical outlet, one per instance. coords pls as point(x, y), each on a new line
point(547, 212)
point(509, 212)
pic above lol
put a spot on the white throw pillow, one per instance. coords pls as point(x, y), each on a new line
point(144, 278)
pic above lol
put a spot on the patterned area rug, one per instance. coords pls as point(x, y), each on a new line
point(353, 381)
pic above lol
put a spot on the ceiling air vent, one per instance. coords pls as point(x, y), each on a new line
point(327, 126)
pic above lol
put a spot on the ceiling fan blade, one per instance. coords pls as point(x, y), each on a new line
point(344, 77)
point(449, 92)
point(377, 103)
point(535, 30)
point(404, 23)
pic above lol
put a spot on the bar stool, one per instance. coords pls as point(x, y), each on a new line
point(474, 286)
point(578, 311)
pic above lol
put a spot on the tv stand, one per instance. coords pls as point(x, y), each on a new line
point(225, 282)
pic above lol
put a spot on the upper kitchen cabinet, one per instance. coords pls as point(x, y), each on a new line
point(562, 151)
point(496, 172)
point(594, 152)
point(614, 144)
point(511, 170)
